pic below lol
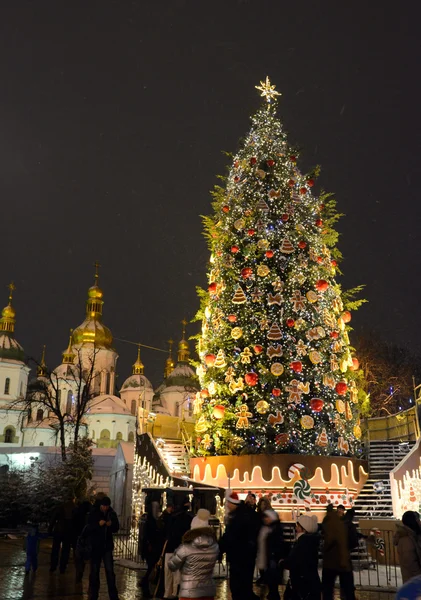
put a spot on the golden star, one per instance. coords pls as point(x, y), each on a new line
point(268, 90)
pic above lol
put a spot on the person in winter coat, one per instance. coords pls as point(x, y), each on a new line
point(408, 543)
point(303, 559)
point(196, 558)
point(336, 557)
point(239, 543)
point(270, 550)
point(178, 526)
point(102, 523)
point(61, 526)
point(32, 542)
point(152, 543)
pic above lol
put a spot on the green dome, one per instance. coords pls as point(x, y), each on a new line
point(10, 348)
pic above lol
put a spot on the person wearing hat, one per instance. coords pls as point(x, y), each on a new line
point(270, 550)
point(196, 558)
point(239, 543)
point(303, 559)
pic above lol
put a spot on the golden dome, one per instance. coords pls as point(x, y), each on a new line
point(138, 366)
point(92, 330)
point(8, 314)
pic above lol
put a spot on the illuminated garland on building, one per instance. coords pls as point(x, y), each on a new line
point(276, 368)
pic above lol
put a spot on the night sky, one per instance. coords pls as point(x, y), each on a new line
point(113, 119)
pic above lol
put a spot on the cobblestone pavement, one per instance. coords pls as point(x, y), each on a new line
point(14, 585)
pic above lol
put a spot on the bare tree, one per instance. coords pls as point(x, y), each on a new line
point(78, 373)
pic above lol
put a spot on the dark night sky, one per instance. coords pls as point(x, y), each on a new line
point(113, 116)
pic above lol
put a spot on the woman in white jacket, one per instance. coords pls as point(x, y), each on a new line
point(196, 558)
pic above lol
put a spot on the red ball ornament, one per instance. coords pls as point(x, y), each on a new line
point(321, 285)
point(319, 259)
point(232, 318)
point(302, 244)
point(334, 263)
point(334, 334)
point(270, 162)
point(316, 404)
point(218, 411)
point(296, 366)
point(210, 359)
point(269, 253)
point(235, 249)
point(276, 392)
point(253, 160)
point(285, 217)
point(310, 182)
point(251, 232)
point(236, 179)
point(341, 388)
point(355, 364)
point(321, 206)
point(303, 191)
point(236, 164)
point(290, 322)
point(226, 208)
point(204, 393)
point(291, 183)
point(258, 349)
point(246, 273)
point(251, 379)
point(346, 316)
point(319, 222)
point(293, 159)
point(212, 287)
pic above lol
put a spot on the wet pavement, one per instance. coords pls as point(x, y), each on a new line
point(15, 585)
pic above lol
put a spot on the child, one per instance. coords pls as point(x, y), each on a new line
point(32, 547)
point(196, 558)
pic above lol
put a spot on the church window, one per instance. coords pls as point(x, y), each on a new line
point(29, 415)
point(40, 414)
point(93, 434)
point(119, 436)
point(105, 434)
point(8, 435)
point(131, 436)
point(21, 389)
point(41, 443)
point(58, 397)
point(108, 384)
point(7, 386)
point(133, 409)
point(69, 403)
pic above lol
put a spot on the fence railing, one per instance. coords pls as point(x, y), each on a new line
point(375, 562)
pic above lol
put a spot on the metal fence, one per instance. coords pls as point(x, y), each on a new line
point(375, 561)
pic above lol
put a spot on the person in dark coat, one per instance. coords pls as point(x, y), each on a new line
point(102, 523)
point(61, 526)
point(80, 521)
point(152, 543)
point(178, 525)
point(239, 543)
point(303, 559)
point(336, 557)
point(407, 540)
point(270, 550)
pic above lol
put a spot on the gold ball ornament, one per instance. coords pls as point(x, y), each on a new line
point(236, 333)
point(307, 422)
point(340, 406)
point(263, 270)
point(263, 244)
point(239, 224)
point(262, 407)
point(277, 369)
point(315, 357)
point(312, 297)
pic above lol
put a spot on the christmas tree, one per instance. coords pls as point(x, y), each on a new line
point(276, 370)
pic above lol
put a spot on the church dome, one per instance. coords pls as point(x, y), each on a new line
point(92, 330)
point(8, 312)
point(10, 348)
point(106, 404)
point(136, 382)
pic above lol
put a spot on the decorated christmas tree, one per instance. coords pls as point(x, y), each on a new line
point(276, 370)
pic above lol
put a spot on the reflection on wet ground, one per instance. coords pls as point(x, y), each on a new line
point(15, 585)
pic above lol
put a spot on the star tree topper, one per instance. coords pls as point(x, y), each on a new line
point(268, 90)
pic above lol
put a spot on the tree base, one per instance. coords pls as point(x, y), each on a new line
point(294, 482)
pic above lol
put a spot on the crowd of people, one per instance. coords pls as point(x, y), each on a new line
point(87, 529)
point(181, 552)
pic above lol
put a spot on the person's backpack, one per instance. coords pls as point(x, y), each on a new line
point(84, 545)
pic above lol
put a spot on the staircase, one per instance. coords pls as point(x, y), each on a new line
point(173, 453)
point(375, 499)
